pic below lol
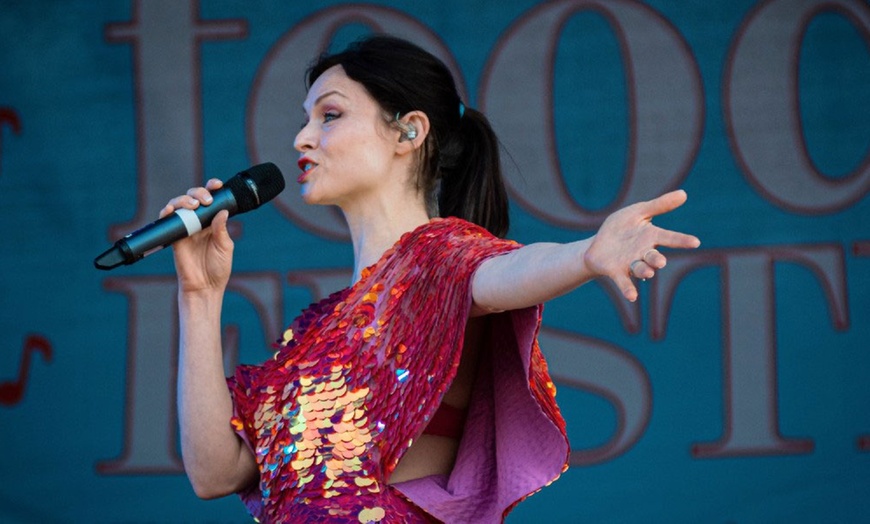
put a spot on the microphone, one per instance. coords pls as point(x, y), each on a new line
point(246, 191)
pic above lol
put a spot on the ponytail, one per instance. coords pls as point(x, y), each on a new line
point(471, 182)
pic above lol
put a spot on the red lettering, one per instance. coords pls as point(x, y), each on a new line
point(861, 248)
point(8, 117)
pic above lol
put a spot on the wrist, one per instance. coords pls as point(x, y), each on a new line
point(587, 266)
point(207, 298)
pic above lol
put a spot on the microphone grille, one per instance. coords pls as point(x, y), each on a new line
point(256, 185)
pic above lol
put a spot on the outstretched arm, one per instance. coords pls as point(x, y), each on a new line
point(624, 247)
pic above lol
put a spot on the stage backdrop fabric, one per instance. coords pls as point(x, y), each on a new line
point(734, 391)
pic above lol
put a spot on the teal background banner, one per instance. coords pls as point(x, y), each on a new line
point(734, 391)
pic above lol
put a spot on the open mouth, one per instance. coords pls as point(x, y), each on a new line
point(306, 166)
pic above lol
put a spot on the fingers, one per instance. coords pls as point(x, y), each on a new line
point(642, 270)
point(220, 234)
point(626, 285)
point(167, 209)
point(665, 203)
point(639, 237)
point(193, 198)
point(677, 240)
point(203, 194)
point(654, 260)
point(646, 266)
point(199, 194)
point(180, 202)
point(219, 227)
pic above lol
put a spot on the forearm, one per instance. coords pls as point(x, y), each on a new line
point(530, 275)
point(215, 459)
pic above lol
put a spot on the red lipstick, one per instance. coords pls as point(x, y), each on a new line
point(302, 163)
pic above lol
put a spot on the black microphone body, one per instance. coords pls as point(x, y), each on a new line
point(243, 192)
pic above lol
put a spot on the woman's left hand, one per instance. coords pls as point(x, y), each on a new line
point(625, 246)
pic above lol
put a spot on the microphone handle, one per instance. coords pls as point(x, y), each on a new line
point(161, 233)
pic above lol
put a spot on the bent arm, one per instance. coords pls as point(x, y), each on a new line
point(216, 460)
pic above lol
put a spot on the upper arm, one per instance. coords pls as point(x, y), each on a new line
point(529, 275)
point(478, 280)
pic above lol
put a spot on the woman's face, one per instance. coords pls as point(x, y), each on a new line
point(347, 146)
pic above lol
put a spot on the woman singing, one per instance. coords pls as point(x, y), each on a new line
point(419, 393)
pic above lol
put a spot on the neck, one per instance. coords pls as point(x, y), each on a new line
point(377, 226)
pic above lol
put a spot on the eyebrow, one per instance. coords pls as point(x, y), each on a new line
point(324, 95)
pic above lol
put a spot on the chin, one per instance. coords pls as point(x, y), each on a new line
point(312, 198)
point(307, 195)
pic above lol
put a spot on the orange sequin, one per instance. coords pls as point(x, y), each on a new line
point(356, 378)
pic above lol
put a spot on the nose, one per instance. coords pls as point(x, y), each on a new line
point(305, 139)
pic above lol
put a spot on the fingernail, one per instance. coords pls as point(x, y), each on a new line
point(192, 201)
point(207, 199)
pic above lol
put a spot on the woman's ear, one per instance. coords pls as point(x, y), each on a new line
point(414, 128)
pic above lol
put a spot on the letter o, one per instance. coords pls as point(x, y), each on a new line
point(760, 97)
point(665, 106)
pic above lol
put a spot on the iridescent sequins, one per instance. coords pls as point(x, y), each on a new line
point(355, 379)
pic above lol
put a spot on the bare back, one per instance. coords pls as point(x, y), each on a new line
point(432, 454)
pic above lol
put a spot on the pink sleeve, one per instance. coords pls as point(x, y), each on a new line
point(515, 441)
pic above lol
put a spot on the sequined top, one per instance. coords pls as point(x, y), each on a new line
point(358, 375)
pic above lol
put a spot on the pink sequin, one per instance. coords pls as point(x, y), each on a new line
point(357, 376)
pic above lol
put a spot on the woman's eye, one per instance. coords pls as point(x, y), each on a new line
point(330, 116)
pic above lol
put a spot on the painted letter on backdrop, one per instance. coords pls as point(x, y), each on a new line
point(761, 101)
point(666, 107)
point(150, 421)
point(609, 372)
point(165, 36)
point(749, 345)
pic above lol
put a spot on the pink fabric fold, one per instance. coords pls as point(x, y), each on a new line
point(511, 448)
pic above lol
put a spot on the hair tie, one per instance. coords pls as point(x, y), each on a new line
point(461, 109)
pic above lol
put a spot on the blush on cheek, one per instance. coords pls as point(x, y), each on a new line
point(374, 160)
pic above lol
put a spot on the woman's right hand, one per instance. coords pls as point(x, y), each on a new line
point(204, 260)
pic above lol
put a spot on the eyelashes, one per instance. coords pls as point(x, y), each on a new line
point(328, 116)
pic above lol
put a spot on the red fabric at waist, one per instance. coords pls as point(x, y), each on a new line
point(448, 421)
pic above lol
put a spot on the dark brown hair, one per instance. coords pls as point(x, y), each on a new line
point(460, 166)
